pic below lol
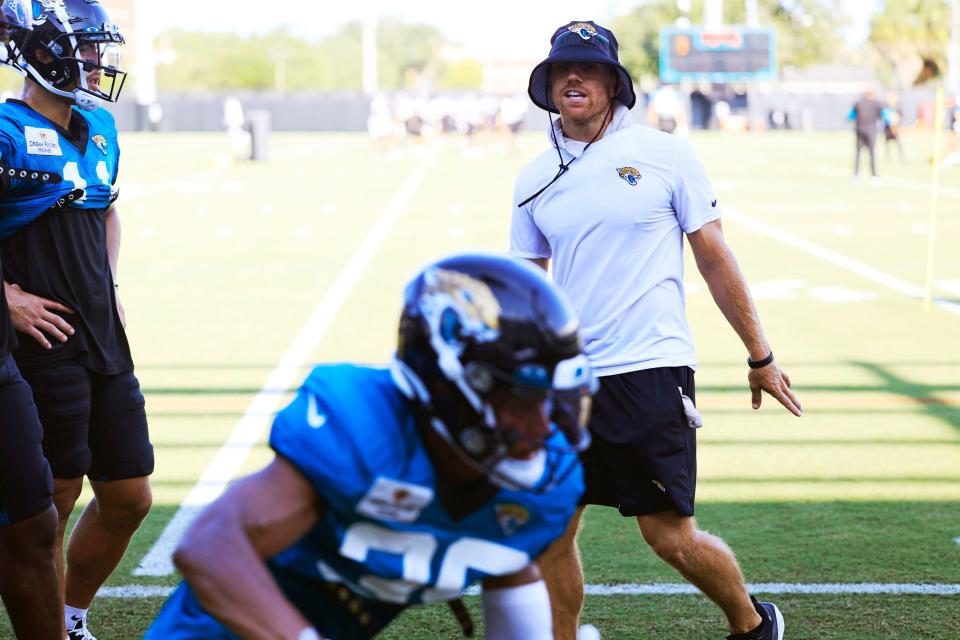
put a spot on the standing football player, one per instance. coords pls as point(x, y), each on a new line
point(60, 265)
point(399, 486)
point(28, 519)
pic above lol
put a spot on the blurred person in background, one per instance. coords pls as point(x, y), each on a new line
point(866, 115)
point(666, 111)
point(234, 121)
point(892, 116)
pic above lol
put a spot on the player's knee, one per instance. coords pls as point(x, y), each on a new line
point(31, 541)
point(65, 495)
point(126, 509)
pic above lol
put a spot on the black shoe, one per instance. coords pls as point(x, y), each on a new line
point(771, 625)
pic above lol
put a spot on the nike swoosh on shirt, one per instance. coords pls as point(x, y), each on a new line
point(713, 204)
point(314, 418)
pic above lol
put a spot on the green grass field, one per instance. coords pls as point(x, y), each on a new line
point(223, 263)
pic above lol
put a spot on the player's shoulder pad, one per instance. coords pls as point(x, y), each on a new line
point(347, 425)
point(12, 117)
point(100, 119)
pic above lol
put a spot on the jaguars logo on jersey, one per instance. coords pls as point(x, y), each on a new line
point(511, 516)
point(631, 175)
point(101, 143)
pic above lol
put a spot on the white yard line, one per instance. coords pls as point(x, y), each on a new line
point(891, 181)
point(665, 589)
point(837, 259)
point(250, 429)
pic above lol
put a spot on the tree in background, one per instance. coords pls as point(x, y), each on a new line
point(807, 30)
point(279, 60)
point(911, 37)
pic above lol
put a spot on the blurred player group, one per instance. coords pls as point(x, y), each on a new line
point(481, 118)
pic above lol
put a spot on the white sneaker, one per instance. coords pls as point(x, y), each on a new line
point(79, 630)
point(588, 632)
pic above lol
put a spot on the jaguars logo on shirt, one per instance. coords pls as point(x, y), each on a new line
point(631, 175)
point(101, 143)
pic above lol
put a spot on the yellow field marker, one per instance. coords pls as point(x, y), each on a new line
point(934, 198)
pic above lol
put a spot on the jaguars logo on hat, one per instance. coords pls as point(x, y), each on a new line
point(101, 143)
point(631, 175)
point(584, 29)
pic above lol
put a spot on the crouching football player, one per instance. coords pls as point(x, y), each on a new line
point(399, 486)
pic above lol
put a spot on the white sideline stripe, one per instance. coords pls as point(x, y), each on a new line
point(250, 428)
point(892, 181)
point(662, 589)
point(770, 588)
point(838, 259)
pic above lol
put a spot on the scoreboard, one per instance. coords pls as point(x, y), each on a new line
point(732, 53)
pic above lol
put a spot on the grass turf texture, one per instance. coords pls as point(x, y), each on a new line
point(223, 262)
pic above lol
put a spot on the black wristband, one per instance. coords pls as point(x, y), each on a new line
point(759, 364)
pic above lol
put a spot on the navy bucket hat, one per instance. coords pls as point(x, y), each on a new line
point(580, 41)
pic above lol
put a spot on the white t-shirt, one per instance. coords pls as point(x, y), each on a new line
point(613, 226)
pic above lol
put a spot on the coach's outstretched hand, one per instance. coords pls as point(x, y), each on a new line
point(35, 316)
point(776, 382)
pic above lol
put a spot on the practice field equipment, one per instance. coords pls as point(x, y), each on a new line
point(733, 53)
point(43, 177)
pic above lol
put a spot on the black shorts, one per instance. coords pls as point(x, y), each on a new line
point(643, 458)
point(26, 487)
point(93, 424)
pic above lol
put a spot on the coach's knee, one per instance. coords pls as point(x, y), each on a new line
point(669, 536)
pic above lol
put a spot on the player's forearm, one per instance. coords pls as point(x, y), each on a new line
point(112, 222)
point(234, 585)
point(732, 295)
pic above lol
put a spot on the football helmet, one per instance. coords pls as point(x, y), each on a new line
point(473, 323)
point(71, 39)
point(14, 31)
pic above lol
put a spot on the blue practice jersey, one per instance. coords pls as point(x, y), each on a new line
point(385, 534)
point(30, 141)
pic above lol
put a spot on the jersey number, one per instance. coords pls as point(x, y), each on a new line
point(417, 550)
point(71, 172)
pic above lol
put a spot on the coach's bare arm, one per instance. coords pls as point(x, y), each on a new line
point(222, 555)
point(729, 289)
